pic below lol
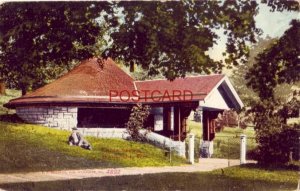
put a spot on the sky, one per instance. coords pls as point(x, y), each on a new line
point(273, 24)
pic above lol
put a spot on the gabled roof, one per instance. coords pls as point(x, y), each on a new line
point(92, 82)
point(200, 86)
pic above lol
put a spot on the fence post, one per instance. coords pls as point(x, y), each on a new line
point(243, 149)
point(191, 148)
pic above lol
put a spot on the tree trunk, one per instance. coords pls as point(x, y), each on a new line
point(2, 88)
point(24, 91)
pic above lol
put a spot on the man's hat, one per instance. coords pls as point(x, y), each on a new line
point(74, 128)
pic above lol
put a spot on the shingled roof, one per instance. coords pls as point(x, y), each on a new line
point(200, 86)
point(91, 82)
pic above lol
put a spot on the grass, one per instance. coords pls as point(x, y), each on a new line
point(26, 147)
point(226, 142)
point(247, 177)
point(10, 94)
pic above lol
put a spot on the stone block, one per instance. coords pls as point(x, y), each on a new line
point(60, 115)
point(63, 109)
point(72, 109)
point(50, 111)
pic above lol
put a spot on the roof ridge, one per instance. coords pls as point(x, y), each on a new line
point(205, 75)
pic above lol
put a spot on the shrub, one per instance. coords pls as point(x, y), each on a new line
point(136, 122)
point(277, 147)
point(276, 140)
point(230, 118)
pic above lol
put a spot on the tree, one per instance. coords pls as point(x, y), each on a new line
point(2, 87)
point(172, 37)
point(136, 122)
point(276, 65)
point(247, 94)
point(39, 40)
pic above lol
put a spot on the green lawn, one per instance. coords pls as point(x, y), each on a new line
point(248, 177)
point(10, 94)
point(226, 142)
point(27, 147)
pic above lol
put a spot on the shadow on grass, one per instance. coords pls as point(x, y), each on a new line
point(293, 166)
point(163, 181)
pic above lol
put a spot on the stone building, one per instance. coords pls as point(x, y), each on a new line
point(97, 96)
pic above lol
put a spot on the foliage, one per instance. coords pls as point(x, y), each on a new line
point(136, 122)
point(39, 40)
point(172, 37)
point(277, 64)
point(281, 5)
point(234, 178)
point(27, 147)
point(276, 140)
point(10, 94)
point(230, 118)
point(247, 95)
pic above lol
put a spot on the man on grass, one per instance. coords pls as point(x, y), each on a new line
point(76, 138)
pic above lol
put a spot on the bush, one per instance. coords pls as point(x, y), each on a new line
point(230, 118)
point(278, 146)
point(276, 140)
point(136, 122)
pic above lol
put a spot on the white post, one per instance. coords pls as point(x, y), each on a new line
point(243, 150)
point(191, 148)
point(172, 119)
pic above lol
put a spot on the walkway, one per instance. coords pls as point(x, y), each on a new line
point(203, 165)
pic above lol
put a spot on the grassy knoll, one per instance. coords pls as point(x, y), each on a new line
point(248, 177)
point(10, 94)
point(27, 147)
point(226, 142)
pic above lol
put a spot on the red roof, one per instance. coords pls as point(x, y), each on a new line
point(91, 83)
point(200, 86)
point(88, 79)
point(87, 82)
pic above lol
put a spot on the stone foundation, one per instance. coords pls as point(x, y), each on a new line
point(55, 117)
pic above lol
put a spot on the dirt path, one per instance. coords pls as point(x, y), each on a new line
point(203, 165)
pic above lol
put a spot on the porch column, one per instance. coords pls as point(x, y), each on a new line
point(179, 125)
point(158, 119)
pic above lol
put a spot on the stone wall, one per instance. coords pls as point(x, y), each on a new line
point(166, 143)
point(105, 132)
point(55, 117)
